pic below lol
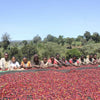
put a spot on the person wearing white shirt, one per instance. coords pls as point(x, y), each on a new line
point(5, 62)
point(14, 64)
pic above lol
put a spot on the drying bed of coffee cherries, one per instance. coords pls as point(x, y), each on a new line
point(51, 85)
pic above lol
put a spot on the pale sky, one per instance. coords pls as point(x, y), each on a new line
point(24, 19)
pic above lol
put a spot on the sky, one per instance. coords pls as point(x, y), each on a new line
point(24, 19)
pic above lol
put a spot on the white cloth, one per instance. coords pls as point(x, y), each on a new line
point(4, 63)
point(16, 64)
point(44, 65)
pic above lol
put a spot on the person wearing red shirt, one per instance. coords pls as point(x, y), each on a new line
point(74, 61)
point(52, 62)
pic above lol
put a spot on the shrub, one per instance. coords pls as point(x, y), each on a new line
point(72, 52)
point(28, 51)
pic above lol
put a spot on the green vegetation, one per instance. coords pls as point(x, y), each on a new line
point(82, 45)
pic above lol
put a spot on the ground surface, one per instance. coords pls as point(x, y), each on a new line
point(66, 83)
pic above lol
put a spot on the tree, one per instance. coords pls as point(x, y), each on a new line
point(60, 40)
point(50, 38)
point(0, 44)
point(0, 55)
point(83, 41)
point(79, 38)
point(13, 52)
point(69, 41)
point(37, 39)
point(96, 37)
point(72, 52)
point(48, 51)
point(24, 42)
point(87, 35)
point(28, 51)
point(5, 40)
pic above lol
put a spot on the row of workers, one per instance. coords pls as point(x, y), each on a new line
point(12, 64)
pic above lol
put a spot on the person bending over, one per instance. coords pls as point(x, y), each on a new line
point(64, 62)
point(96, 60)
point(74, 62)
point(82, 60)
point(58, 60)
point(90, 59)
point(52, 62)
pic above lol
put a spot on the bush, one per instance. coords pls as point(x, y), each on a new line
point(28, 51)
point(13, 52)
point(90, 49)
point(50, 48)
point(0, 55)
point(72, 52)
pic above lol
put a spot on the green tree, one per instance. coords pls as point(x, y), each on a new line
point(79, 38)
point(0, 44)
point(70, 41)
point(72, 52)
point(37, 39)
point(60, 40)
point(13, 52)
point(50, 38)
point(87, 35)
point(96, 37)
point(0, 55)
point(28, 51)
point(24, 42)
point(48, 51)
point(83, 41)
point(5, 40)
point(19, 56)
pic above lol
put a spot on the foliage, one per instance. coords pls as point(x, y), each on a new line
point(37, 39)
point(28, 51)
point(91, 49)
point(50, 48)
point(87, 35)
point(60, 40)
point(5, 40)
point(51, 45)
point(13, 51)
point(96, 37)
point(0, 44)
point(70, 41)
point(24, 42)
point(0, 55)
point(50, 38)
point(72, 52)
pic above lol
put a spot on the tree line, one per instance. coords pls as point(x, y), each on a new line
point(48, 46)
